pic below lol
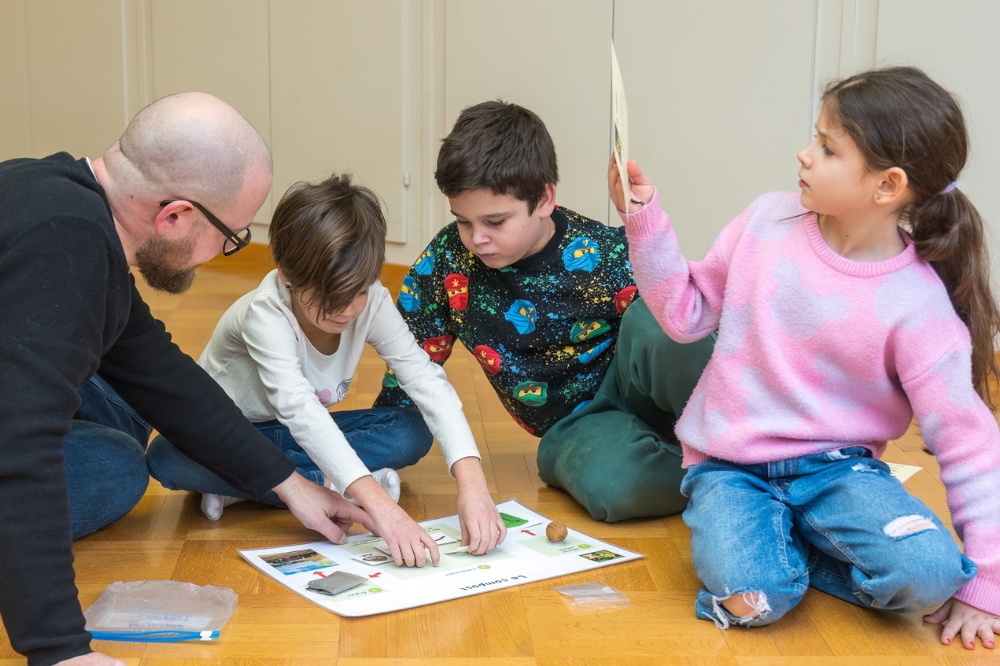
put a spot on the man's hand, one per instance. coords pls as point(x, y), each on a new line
point(91, 659)
point(642, 187)
point(408, 543)
point(320, 508)
point(482, 527)
point(959, 617)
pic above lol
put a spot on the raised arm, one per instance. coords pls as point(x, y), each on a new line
point(685, 298)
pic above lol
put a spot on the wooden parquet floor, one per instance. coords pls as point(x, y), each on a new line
point(166, 537)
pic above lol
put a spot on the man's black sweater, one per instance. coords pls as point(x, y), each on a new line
point(69, 308)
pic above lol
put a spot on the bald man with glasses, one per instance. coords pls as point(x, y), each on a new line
point(88, 372)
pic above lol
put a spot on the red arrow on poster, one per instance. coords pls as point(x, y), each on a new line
point(528, 532)
point(319, 573)
point(375, 575)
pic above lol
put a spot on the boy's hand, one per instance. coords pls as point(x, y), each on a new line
point(320, 508)
point(960, 617)
point(407, 541)
point(642, 187)
point(482, 527)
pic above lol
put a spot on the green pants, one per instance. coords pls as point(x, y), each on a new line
point(618, 455)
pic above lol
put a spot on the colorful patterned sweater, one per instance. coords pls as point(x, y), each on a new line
point(543, 329)
point(817, 352)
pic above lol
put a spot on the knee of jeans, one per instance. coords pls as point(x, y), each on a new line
point(920, 566)
point(922, 577)
point(159, 455)
point(137, 482)
point(417, 440)
point(131, 481)
point(612, 499)
point(761, 608)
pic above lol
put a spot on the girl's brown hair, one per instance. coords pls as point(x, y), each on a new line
point(899, 117)
point(329, 238)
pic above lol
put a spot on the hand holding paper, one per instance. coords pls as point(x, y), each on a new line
point(642, 188)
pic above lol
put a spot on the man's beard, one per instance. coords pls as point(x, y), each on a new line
point(157, 259)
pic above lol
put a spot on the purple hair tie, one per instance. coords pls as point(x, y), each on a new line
point(951, 187)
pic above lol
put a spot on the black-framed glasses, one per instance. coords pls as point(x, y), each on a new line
point(234, 241)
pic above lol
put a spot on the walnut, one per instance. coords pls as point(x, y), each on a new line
point(555, 531)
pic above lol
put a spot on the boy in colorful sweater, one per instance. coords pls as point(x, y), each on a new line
point(539, 294)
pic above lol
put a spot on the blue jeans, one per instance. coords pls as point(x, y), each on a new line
point(105, 458)
point(837, 521)
point(387, 437)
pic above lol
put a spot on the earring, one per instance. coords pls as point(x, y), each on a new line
point(288, 286)
point(878, 197)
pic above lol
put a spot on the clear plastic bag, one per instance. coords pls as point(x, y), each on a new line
point(593, 595)
point(151, 611)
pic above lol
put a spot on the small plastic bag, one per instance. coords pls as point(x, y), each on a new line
point(593, 595)
point(151, 611)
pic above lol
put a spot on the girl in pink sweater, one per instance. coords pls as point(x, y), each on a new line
point(842, 312)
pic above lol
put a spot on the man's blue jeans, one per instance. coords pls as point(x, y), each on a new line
point(385, 437)
point(105, 458)
point(837, 521)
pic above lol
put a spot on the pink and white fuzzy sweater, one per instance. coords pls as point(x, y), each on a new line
point(817, 352)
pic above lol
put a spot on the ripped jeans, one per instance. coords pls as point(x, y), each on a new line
point(836, 520)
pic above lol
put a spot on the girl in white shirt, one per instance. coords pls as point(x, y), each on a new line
point(287, 351)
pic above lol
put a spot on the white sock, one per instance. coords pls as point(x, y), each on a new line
point(389, 480)
point(212, 505)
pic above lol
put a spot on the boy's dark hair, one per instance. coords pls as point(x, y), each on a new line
point(498, 145)
point(899, 117)
point(329, 238)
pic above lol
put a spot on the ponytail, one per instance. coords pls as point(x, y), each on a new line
point(899, 117)
point(948, 233)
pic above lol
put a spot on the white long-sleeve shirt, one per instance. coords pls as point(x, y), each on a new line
point(262, 358)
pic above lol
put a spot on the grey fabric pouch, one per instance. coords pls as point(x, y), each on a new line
point(335, 583)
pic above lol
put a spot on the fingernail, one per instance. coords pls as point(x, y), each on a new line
point(947, 641)
point(990, 644)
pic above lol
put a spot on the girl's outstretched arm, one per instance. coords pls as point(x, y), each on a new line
point(962, 433)
point(958, 617)
point(685, 298)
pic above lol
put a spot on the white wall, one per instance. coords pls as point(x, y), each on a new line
point(957, 45)
point(719, 103)
point(721, 93)
point(551, 57)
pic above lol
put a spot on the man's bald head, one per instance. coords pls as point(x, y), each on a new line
point(190, 146)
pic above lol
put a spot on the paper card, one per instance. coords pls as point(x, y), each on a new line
point(512, 521)
point(902, 472)
point(441, 539)
point(297, 561)
point(600, 556)
point(619, 124)
point(373, 558)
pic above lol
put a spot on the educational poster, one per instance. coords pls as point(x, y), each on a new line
point(377, 585)
point(619, 123)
